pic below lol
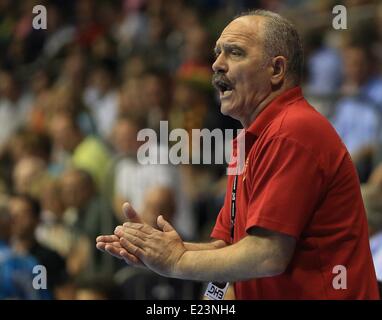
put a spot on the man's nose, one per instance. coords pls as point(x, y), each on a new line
point(220, 64)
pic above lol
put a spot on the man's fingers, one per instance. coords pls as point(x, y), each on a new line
point(138, 226)
point(112, 244)
point(136, 240)
point(164, 225)
point(116, 250)
point(123, 231)
point(107, 238)
point(130, 213)
point(132, 249)
point(129, 258)
point(134, 236)
point(113, 250)
point(101, 246)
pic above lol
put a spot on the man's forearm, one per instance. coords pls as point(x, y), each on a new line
point(244, 260)
point(217, 244)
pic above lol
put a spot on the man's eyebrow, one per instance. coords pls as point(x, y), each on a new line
point(228, 47)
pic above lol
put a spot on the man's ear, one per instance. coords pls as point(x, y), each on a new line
point(279, 64)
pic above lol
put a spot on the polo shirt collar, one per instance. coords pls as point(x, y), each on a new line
point(270, 112)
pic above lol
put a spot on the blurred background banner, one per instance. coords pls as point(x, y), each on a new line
point(74, 96)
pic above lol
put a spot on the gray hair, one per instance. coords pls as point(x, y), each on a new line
point(281, 39)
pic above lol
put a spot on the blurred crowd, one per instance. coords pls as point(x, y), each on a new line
point(74, 96)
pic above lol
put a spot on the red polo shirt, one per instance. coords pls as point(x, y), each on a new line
point(299, 180)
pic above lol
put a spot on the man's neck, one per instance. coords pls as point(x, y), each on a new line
point(263, 104)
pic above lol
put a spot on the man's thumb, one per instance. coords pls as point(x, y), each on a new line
point(164, 225)
point(130, 213)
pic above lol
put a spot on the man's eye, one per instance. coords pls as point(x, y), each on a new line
point(236, 53)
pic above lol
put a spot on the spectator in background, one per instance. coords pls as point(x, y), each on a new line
point(21, 145)
point(41, 86)
point(73, 69)
point(145, 93)
point(124, 144)
point(131, 96)
point(88, 28)
point(155, 98)
point(27, 41)
point(102, 99)
point(67, 99)
point(28, 143)
point(131, 30)
point(86, 213)
point(133, 179)
point(133, 67)
point(124, 138)
point(324, 71)
point(16, 271)
point(155, 41)
point(25, 215)
point(76, 149)
point(14, 106)
point(372, 197)
point(357, 118)
point(28, 176)
point(190, 105)
point(361, 78)
point(57, 232)
point(324, 66)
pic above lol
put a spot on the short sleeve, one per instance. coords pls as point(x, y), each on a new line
point(286, 186)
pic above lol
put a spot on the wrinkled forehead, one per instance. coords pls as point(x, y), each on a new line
point(246, 30)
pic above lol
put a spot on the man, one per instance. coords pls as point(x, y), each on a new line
point(372, 198)
point(86, 152)
point(16, 271)
point(88, 215)
point(299, 212)
point(357, 116)
point(25, 215)
point(102, 98)
point(14, 106)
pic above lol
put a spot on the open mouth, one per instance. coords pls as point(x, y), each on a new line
point(224, 88)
